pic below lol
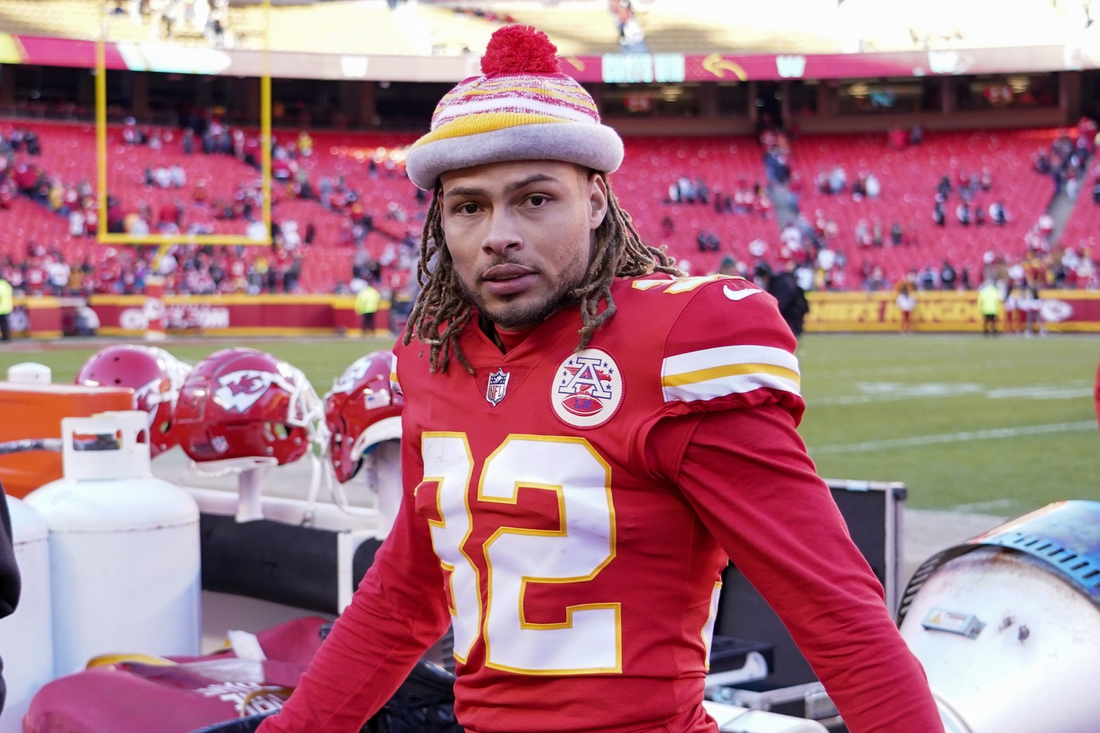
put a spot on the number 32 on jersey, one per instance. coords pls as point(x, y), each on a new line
point(589, 641)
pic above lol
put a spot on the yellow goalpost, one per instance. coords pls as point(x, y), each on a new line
point(164, 241)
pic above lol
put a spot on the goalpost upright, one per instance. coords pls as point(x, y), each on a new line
point(164, 241)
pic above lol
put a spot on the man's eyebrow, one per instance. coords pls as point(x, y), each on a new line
point(509, 189)
point(466, 191)
point(533, 178)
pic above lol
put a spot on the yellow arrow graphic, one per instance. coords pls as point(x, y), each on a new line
point(718, 65)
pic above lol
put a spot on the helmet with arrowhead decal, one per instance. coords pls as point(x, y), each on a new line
point(241, 403)
point(362, 410)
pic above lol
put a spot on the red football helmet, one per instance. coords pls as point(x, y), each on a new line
point(361, 411)
point(156, 378)
point(240, 403)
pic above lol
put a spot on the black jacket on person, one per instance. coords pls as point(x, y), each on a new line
point(9, 577)
point(793, 306)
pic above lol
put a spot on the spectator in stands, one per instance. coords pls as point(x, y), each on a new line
point(58, 274)
point(986, 180)
point(708, 241)
point(997, 213)
point(305, 144)
point(1041, 162)
point(926, 278)
point(871, 186)
point(948, 276)
point(916, 135)
point(179, 177)
point(876, 280)
point(897, 234)
point(938, 214)
point(944, 187)
point(702, 193)
point(962, 213)
point(863, 233)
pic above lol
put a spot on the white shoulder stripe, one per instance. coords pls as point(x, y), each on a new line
point(710, 373)
point(724, 386)
point(694, 361)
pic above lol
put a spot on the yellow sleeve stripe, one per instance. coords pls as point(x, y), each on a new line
point(710, 373)
point(729, 370)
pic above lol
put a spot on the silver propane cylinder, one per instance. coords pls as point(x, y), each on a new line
point(124, 547)
point(1007, 625)
point(26, 637)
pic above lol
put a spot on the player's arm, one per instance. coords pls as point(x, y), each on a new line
point(747, 475)
point(398, 612)
point(727, 438)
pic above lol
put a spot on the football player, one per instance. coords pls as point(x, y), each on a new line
point(587, 437)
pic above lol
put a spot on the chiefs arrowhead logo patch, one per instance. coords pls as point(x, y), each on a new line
point(587, 389)
point(238, 391)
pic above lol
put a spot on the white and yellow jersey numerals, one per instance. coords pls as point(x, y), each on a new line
point(449, 463)
point(588, 639)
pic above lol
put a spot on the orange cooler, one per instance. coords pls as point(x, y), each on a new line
point(33, 411)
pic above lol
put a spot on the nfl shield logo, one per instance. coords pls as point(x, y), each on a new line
point(498, 387)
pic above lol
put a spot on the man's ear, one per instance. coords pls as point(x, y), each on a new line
point(597, 200)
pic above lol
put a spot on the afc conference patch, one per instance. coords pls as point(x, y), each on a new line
point(587, 389)
point(498, 387)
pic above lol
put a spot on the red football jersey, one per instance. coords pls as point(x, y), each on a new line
point(562, 559)
point(570, 512)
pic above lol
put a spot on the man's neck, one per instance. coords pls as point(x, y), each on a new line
point(505, 339)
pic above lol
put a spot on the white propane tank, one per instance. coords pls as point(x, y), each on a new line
point(30, 372)
point(124, 547)
point(26, 637)
point(1007, 625)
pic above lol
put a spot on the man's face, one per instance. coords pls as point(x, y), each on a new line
point(521, 234)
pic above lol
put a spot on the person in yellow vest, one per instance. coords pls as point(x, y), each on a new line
point(366, 305)
point(7, 305)
point(989, 303)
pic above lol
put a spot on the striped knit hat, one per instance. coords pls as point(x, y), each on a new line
point(522, 108)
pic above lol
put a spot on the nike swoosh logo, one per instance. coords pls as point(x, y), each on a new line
point(739, 294)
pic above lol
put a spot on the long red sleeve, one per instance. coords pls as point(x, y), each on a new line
point(746, 473)
point(397, 613)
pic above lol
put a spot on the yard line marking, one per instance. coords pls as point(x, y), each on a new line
point(895, 391)
point(1061, 427)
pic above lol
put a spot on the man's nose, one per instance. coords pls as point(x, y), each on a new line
point(503, 235)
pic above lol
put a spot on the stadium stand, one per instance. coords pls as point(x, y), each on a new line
point(909, 180)
point(358, 194)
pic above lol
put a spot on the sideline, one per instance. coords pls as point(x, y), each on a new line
point(1062, 427)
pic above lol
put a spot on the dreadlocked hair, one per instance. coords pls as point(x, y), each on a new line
point(441, 311)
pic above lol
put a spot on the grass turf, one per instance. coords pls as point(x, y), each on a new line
point(918, 409)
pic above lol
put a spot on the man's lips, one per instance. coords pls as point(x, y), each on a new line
point(508, 278)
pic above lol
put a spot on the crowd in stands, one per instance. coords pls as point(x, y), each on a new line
point(322, 206)
point(186, 271)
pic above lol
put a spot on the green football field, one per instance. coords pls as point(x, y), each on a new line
point(988, 425)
